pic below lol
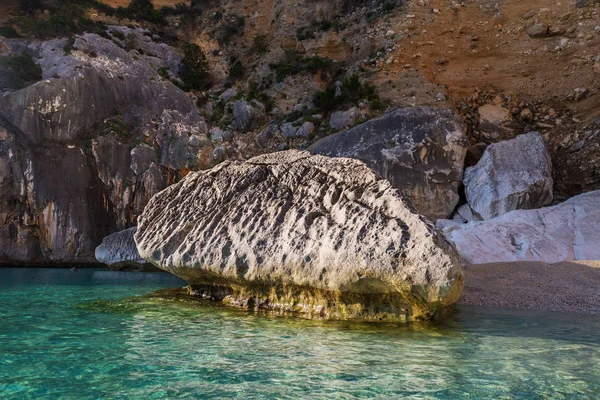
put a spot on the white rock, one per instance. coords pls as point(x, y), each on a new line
point(565, 232)
point(511, 175)
point(119, 252)
point(466, 213)
point(294, 232)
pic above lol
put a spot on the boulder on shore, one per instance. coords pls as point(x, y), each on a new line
point(291, 232)
point(565, 232)
point(119, 252)
point(511, 175)
point(420, 150)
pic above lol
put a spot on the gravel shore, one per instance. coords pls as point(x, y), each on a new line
point(572, 286)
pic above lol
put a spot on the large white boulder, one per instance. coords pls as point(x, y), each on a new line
point(511, 175)
point(565, 232)
point(293, 232)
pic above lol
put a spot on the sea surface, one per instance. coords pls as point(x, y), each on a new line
point(88, 335)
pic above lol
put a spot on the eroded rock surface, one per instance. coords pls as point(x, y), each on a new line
point(565, 232)
point(294, 232)
point(421, 151)
point(511, 175)
point(119, 252)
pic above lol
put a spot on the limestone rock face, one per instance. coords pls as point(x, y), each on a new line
point(293, 232)
point(79, 90)
point(51, 207)
point(421, 151)
point(511, 175)
point(119, 252)
point(565, 232)
point(83, 150)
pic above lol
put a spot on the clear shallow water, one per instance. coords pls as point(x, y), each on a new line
point(72, 335)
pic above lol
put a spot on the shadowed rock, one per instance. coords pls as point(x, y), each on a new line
point(421, 151)
point(119, 252)
point(293, 232)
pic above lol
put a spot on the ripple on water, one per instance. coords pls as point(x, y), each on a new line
point(75, 335)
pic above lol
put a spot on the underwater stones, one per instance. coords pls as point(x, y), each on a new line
point(420, 150)
point(293, 232)
point(511, 175)
point(119, 252)
point(565, 232)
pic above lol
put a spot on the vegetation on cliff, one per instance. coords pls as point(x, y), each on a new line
point(18, 71)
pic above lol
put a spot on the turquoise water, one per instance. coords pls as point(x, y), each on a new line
point(71, 335)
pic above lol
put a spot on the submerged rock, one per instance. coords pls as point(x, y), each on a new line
point(511, 175)
point(293, 232)
point(565, 232)
point(119, 252)
point(421, 151)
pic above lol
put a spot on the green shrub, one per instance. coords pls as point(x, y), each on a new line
point(322, 25)
point(351, 91)
point(236, 70)
point(65, 19)
point(304, 33)
point(163, 72)
point(233, 27)
point(141, 10)
point(17, 72)
point(260, 44)
point(315, 64)
point(195, 70)
point(388, 6)
point(70, 46)
point(118, 34)
point(308, 32)
point(293, 64)
point(326, 100)
point(179, 9)
point(131, 42)
point(9, 32)
point(256, 91)
point(116, 126)
point(31, 6)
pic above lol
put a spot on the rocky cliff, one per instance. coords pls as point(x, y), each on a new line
point(83, 150)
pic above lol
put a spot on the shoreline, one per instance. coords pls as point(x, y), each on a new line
point(569, 286)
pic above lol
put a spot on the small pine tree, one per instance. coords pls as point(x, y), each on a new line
point(195, 70)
